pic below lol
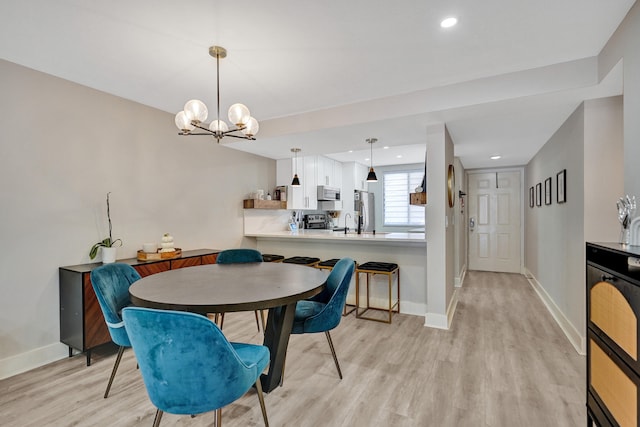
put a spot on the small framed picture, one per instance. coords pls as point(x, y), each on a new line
point(547, 191)
point(532, 197)
point(539, 194)
point(561, 186)
point(293, 226)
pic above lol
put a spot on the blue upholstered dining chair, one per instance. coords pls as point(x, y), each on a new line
point(188, 366)
point(323, 312)
point(239, 256)
point(111, 284)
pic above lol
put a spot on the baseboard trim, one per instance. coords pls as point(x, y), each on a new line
point(442, 321)
point(24, 362)
point(575, 338)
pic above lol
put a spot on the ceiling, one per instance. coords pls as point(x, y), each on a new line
point(325, 76)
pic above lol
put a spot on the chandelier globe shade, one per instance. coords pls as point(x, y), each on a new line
point(195, 113)
point(184, 123)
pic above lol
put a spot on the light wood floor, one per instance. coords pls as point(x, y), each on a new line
point(504, 363)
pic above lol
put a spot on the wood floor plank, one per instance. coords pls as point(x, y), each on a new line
point(504, 362)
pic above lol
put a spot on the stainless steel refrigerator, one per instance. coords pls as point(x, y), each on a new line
point(364, 208)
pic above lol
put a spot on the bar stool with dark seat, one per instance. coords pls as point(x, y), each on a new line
point(272, 258)
point(371, 269)
point(328, 265)
point(302, 260)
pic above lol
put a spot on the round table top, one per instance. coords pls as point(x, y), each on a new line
point(218, 288)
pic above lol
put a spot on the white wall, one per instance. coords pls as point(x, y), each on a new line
point(624, 45)
point(589, 146)
point(64, 146)
point(440, 234)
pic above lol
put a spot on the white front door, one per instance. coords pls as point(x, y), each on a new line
point(494, 221)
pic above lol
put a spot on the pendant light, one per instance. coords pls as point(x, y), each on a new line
point(372, 174)
point(296, 181)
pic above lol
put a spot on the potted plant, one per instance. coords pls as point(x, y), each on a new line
point(108, 245)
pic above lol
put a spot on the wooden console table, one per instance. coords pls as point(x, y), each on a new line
point(82, 325)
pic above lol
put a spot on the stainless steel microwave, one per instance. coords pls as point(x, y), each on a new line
point(328, 193)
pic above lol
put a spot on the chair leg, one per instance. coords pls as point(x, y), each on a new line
point(284, 362)
point(333, 352)
point(264, 322)
point(156, 420)
point(217, 418)
point(113, 371)
point(257, 321)
point(261, 399)
point(221, 320)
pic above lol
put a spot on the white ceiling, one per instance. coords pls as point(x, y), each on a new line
point(324, 76)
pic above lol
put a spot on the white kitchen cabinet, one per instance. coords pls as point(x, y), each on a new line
point(326, 172)
point(354, 176)
point(310, 183)
point(361, 172)
point(312, 171)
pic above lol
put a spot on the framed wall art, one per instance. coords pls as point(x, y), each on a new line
point(547, 191)
point(532, 197)
point(539, 194)
point(561, 186)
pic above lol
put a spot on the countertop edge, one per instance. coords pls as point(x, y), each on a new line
point(417, 239)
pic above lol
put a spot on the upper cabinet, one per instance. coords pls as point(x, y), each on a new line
point(312, 171)
point(354, 176)
point(310, 183)
point(329, 172)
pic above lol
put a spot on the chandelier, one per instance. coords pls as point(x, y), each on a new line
point(195, 113)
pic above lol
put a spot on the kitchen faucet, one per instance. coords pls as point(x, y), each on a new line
point(345, 222)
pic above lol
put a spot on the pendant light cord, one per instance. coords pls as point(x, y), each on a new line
point(218, 84)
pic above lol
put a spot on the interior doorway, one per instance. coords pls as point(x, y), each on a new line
point(495, 212)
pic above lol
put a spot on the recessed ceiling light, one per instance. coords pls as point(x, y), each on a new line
point(496, 157)
point(386, 147)
point(351, 151)
point(449, 22)
point(399, 156)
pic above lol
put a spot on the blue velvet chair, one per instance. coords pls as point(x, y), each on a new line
point(323, 312)
point(111, 284)
point(238, 256)
point(188, 366)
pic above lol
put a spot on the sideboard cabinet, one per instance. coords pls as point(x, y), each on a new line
point(82, 326)
point(613, 308)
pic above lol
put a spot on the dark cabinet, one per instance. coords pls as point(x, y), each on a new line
point(82, 325)
point(613, 333)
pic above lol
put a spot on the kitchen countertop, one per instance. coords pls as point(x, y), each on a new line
point(337, 236)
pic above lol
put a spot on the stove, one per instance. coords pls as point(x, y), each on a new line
point(315, 221)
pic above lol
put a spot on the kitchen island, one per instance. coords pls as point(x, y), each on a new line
point(408, 250)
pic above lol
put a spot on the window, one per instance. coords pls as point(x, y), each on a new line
point(396, 189)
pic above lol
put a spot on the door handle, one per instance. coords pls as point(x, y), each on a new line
point(472, 223)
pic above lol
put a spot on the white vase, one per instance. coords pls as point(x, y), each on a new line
point(108, 254)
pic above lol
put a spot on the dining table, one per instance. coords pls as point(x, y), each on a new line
point(223, 288)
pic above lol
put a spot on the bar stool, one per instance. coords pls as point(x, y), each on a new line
point(302, 260)
point(371, 269)
point(272, 258)
point(328, 265)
